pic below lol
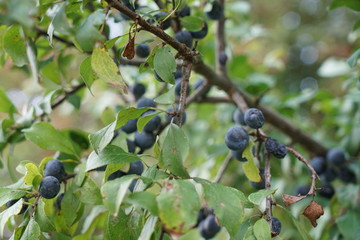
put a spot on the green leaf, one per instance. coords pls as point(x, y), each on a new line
point(352, 61)
point(250, 169)
point(103, 137)
point(192, 23)
point(261, 230)
point(149, 228)
point(114, 192)
point(18, 10)
point(349, 224)
point(242, 230)
point(87, 73)
point(127, 114)
point(33, 175)
point(110, 154)
point(124, 226)
point(178, 205)
point(32, 231)
point(105, 68)
point(145, 200)
point(6, 105)
point(90, 193)
point(258, 196)
point(8, 194)
point(174, 150)
point(47, 137)
point(353, 4)
point(88, 34)
point(42, 219)
point(7, 213)
point(92, 217)
point(228, 205)
point(165, 64)
point(141, 123)
point(168, 97)
point(70, 206)
point(14, 45)
point(249, 235)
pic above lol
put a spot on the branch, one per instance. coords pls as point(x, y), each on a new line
point(183, 91)
point(66, 95)
point(220, 42)
point(223, 168)
point(314, 175)
point(267, 176)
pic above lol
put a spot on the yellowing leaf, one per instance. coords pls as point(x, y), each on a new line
point(31, 173)
point(106, 69)
point(250, 169)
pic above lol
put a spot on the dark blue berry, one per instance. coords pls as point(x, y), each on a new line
point(153, 124)
point(136, 168)
point(54, 168)
point(216, 11)
point(347, 175)
point(238, 155)
point(275, 226)
point(130, 145)
point(209, 227)
point(23, 208)
point(116, 174)
point(336, 157)
point(185, 11)
point(201, 33)
point(236, 138)
point(138, 90)
point(319, 164)
point(184, 37)
point(145, 102)
point(49, 187)
point(142, 50)
point(254, 118)
point(302, 190)
point(259, 185)
point(130, 126)
point(327, 191)
point(144, 140)
point(238, 117)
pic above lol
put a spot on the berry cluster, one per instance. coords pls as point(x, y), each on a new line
point(329, 168)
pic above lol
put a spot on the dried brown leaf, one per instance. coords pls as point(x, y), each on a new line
point(289, 199)
point(129, 51)
point(313, 212)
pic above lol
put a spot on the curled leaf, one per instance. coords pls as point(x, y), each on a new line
point(289, 199)
point(313, 212)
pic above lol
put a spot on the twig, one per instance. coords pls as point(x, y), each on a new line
point(67, 177)
point(220, 42)
point(223, 168)
point(314, 175)
point(60, 39)
point(66, 95)
point(183, 91)
point(267, 176)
